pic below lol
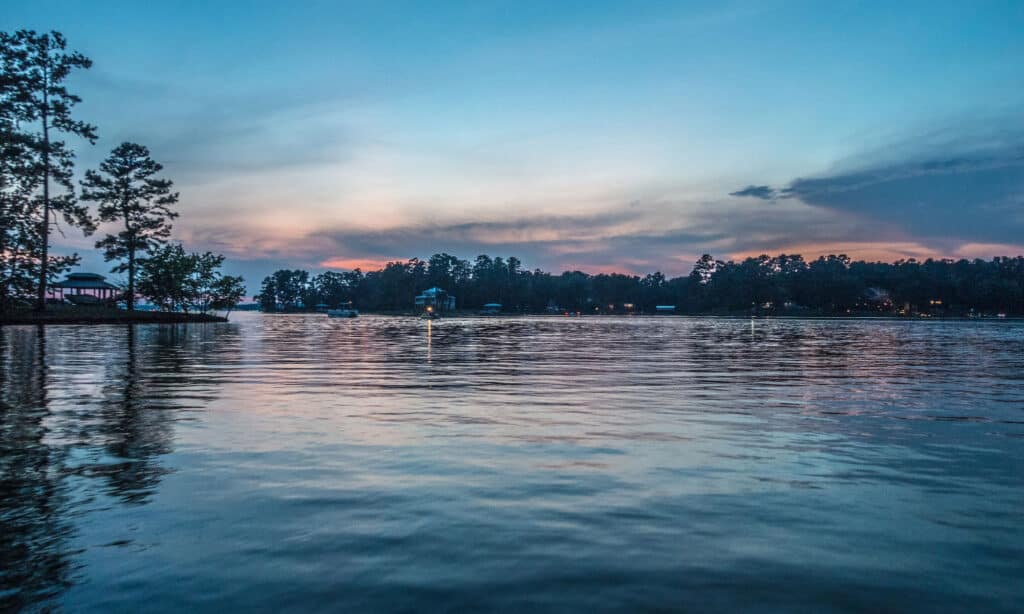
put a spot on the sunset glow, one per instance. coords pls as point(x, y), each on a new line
point(467, 130)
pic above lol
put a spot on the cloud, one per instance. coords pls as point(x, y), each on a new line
point(763, 192)
point(639, 238)
point(941, 190)
point(953, 199)
point(557, 242)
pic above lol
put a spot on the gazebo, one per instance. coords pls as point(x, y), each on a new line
point(85, 285)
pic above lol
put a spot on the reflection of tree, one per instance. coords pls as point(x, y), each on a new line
point(57, 435)
point(34, 563)
point(155, 376)
point(135, 429)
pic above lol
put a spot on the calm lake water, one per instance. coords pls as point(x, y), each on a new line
point(310, 464)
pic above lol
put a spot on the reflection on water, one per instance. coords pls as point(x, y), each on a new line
point(307, 463)
point(85, 414)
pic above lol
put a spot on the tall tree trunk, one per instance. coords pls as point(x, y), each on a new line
point(130, 299)
point(44, 264)
point(131, 276)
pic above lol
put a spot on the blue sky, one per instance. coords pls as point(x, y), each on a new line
point(593, 135)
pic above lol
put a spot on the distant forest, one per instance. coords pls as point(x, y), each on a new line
point(780, 284)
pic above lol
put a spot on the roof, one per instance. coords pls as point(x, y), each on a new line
point(665, 307)
point(492, 305)
point(85, 281)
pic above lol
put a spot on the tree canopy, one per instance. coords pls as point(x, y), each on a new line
point(37, 192)
point(37, 108)
point(781, 284)
point(128, 192)
point(175, 280)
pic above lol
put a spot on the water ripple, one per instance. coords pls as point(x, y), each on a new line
point(303, 463)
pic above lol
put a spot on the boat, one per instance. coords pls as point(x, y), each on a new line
point(342, 312)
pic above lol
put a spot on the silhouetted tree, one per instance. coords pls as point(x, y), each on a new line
point(332, 289)
point(128, 191)
point(175, 280)
point(285, 290)
point(766, 284)
point(17, 183)
point(35, 68)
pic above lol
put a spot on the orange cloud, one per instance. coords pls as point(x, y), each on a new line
point(355, 263)
point(870, 251)
point(987, 250)
point(888, 251)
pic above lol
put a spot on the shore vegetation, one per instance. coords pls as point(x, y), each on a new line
point(782, 284)
point(38, 198)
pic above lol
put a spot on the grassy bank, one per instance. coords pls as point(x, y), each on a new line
point(101, 315)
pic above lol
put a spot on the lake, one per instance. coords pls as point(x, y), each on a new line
point(300, 463)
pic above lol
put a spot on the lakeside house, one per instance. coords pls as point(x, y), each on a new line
point(435, 300)
point(84, 288)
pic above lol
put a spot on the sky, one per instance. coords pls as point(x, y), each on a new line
point(591, 135)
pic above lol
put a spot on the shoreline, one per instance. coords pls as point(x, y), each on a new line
point(106, 315)
point(103, 315)
point(719, 315)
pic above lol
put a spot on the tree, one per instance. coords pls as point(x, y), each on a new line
point(37, 66)
point(176, 280)
point(226, 292)
point(16, 185)
point(267, 298)
point(332, 289)
point(163, 277)
point(206, 288)
point(127, 190)
point(19, 181)
point(284, 289)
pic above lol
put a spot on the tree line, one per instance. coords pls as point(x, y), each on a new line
point(38, 192)
point(780, 284)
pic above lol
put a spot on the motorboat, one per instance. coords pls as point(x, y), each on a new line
point(342, 313)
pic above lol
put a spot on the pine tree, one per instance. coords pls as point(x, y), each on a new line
point(128, 191)
point(35, 67)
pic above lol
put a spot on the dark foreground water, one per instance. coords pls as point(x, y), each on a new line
point(308, 464)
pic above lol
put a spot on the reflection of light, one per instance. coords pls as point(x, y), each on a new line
point(429, 331)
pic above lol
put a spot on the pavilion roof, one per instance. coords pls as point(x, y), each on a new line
point(85, 281)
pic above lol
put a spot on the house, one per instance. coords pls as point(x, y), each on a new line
point(664, 308)
point(491, 309)
point(435, 300)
